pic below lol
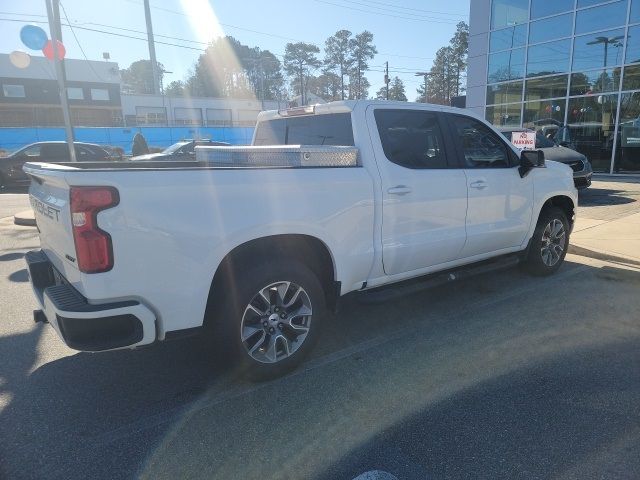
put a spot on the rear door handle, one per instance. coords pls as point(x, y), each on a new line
point(480, 184)
point(399, 190)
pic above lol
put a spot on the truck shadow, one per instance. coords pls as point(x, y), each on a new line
point(571, 416)
point(595, 197)
point(102, 415)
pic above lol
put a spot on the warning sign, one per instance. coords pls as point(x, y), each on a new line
point(524, 140)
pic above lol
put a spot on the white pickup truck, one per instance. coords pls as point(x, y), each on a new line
point(256, 244)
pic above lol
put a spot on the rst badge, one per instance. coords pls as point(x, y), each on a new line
point(44, 209)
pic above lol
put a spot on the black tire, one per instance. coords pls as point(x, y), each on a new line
point(225, 329)
point(541, 262)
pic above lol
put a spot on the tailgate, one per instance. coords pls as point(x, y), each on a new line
point(49, 197)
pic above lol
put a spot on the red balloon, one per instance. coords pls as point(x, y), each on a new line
point(48, 50)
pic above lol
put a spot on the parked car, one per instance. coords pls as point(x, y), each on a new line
point(11, 174)
point(184, 150)
point(582, 170)
point(253, 256)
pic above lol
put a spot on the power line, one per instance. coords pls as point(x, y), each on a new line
point(383, 14)
point(186, 40)
point(419, 9)
point(383, 10)
point(64, 10)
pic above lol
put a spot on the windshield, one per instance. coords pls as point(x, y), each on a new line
point(175, 147)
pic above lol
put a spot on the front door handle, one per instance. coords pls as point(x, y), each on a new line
point(399, 190)
point(480, 184)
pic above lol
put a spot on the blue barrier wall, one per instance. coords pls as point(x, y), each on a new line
point(14, 138)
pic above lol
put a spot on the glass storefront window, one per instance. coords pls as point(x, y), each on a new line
point(543, 110)
point(510, 92)
point(515, 36)
point(631, 79)
point(596, 81)
point(598, 50)
point(628, 144)
point(601, 18)
point(589, 3)
point(634, 16)
point(547, 87)
point(550, 28)
point(591, 122)
point(548, 58)
point(544, 8)
point(633, 45)
point(504, 115)
point(505, 13)
point(508, 65)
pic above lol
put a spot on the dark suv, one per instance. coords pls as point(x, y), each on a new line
point(582, 170)
point(11, 174)
point(183, 150)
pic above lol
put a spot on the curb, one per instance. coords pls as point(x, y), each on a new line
point(25, 219)
point(607, 257)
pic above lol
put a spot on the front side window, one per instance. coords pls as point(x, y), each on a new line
point(411, 138)
point(482, 148)
point(32, 151)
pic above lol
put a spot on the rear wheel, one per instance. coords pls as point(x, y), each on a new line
point(549, 243)
point(271, 318)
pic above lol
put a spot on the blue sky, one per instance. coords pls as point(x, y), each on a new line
point(406, 33)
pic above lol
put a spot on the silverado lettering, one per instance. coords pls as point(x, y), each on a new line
point(45, 209)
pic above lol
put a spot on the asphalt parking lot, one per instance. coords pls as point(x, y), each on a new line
point(500, 376)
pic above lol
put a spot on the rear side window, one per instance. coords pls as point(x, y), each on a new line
point(331, 129)
point(482, 148)
point(411, 138)
point(54, 151)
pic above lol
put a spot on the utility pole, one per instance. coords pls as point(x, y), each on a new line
point(386, 78)
point(54, 28)
point(152, 48)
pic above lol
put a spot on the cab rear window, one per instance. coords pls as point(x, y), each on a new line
point(330, 129)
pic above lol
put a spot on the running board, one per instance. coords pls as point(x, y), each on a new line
point(397, 290)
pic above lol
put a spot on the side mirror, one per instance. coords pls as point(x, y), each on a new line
point(530, 159)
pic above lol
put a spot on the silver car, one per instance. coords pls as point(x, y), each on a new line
point(582, 171)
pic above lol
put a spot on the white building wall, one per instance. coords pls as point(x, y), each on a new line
point(479, 26)
point(77, 70)
point(242, 111)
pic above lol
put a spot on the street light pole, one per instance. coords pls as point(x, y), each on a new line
point(54, 28)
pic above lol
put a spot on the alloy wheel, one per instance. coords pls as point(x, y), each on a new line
point(553, 242)
point(276, 322)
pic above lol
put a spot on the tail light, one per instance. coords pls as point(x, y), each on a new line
point(94, 251)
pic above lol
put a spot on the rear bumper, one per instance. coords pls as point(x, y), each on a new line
point(80, 324)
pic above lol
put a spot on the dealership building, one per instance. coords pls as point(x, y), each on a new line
point(570, 66)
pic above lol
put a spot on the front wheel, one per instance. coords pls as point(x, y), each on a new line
point(271, 318)
point(549, 243)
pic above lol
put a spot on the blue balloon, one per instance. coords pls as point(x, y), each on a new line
point(33, 37)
